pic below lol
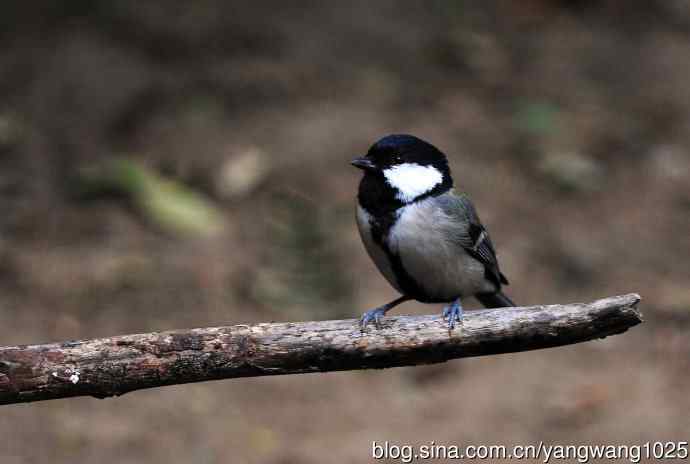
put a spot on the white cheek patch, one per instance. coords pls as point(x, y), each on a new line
point(412, 180)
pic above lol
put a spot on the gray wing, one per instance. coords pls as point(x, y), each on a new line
point(471, 234)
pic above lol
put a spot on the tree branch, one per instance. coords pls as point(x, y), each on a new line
point(117, 365)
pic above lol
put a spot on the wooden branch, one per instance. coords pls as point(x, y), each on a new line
point(117, 365)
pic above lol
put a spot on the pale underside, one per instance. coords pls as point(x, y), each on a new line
point(423, 238)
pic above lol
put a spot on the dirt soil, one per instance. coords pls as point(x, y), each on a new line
point(568, 123)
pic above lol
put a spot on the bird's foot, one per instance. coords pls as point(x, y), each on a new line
point(373, 315)
point(453, 312)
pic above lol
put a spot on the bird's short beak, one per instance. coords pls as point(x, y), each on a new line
point(363, 163)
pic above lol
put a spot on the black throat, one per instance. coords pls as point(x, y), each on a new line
point(379, 199)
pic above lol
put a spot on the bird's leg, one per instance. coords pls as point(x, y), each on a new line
point(377, 313)
point(453, 312)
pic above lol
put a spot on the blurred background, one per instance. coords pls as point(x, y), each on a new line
point(167, 165)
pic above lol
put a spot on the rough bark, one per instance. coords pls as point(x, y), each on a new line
point(117, 365)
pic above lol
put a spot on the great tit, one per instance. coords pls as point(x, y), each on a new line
point(424, 236)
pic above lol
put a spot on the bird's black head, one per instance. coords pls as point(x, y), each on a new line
point(401, 169)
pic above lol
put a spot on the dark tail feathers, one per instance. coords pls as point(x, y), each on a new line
point(494, 300)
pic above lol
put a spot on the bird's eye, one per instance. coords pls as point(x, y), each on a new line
point(397, 158)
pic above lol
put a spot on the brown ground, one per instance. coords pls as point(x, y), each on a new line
point(567, 122)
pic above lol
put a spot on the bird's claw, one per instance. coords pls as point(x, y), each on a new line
point(374, 315)
point(453, 313)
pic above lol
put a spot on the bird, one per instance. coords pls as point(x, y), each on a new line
point(424, 235)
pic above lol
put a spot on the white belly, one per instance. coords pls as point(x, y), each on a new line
point(422, 238)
